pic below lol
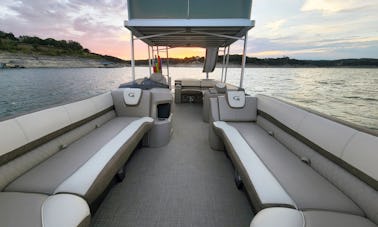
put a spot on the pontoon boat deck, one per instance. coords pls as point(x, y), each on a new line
point(199, 152)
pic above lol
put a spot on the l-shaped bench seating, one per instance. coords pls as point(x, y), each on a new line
point(55, 162)
point(298, 168)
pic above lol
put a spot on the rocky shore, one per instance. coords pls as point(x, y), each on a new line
point(14, 60)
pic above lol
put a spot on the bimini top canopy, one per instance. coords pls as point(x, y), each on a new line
point(189, 23)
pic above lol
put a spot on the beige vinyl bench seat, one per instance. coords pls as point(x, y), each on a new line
point(283, 179)
point(66, 170)
point(277, 216)
point(37, 210)
point(63, 158)
point(292, 180)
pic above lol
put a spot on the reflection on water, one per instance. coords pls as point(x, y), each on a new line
point(345, 93)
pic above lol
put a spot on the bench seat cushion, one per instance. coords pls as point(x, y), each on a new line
point(263, 187)
point(46, 177)
point(28, 209)
point(285, 217)
point(306, 187)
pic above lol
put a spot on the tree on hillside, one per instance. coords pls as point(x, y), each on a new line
point(74, 45)
point(9, 36)
point(51, 42)
point(31, 40)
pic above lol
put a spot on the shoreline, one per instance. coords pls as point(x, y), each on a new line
point(263, 66)
point(14, 61)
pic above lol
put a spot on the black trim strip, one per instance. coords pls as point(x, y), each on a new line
point(36, 143)
point(351, 169)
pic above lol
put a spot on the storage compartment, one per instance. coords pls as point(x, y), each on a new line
point(160, 133)
point(163, 111)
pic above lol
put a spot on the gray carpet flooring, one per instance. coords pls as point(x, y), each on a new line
point(184, 183)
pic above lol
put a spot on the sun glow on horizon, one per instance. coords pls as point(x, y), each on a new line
point(142, 54)
point(186, 52)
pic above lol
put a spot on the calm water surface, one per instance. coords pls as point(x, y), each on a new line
point(345, 93)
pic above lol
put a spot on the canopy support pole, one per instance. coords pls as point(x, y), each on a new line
point(243, 60)
point(149, 60)
point(132, 57)
point(152, 58)
point(227, 60)
point(169, 79)
point(157, 58)
point(224, 55)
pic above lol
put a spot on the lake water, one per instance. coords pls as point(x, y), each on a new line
point(350, 94)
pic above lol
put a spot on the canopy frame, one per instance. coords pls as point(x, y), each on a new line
point(225, 61)
point(156, 30)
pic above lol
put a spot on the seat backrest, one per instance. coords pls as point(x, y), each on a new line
point(207, 83)
point(28, 128)
point(34, 137)
point(140, 109)
point(132, 96)
point(356, 148)
point(247, 112)
point(191, 83)
point(345, 155)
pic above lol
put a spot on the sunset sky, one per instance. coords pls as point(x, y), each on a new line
point(302, 29)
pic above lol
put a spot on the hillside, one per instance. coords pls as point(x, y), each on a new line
point(275, 62)
point(26, 51)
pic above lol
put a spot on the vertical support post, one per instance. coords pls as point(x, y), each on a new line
point(207, 75)
point(243, 60)
point(166, 49)
point(157, 54)
point(152, 58)
point(132, 57)
point(224, 55)
point(149, 60)
point(227, 60)
point(157, 57)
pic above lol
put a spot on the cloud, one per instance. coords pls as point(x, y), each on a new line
point(328, 48)
point(281, 53)
point(276, 25)
point(301, 29)
point(40, 15)
point(315, 29)
point(333, 6)
point(6, 10)
point(96, 24)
